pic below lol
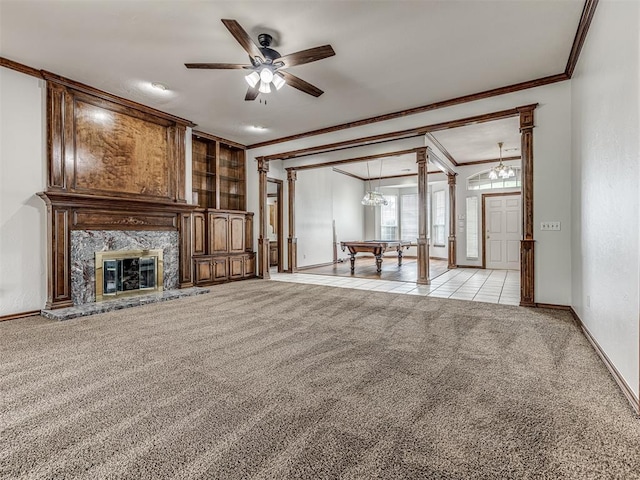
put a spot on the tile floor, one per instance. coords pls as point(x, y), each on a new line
point(491, 286)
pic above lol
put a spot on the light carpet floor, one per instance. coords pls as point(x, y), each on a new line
point(273, 380)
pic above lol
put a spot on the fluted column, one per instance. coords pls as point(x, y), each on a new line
point(527, 264)
point(453, 261)
point(423, 243)
point(292, 241)
point(263, 240)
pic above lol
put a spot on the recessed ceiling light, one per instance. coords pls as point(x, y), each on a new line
point(257, 128)
point(159, 86)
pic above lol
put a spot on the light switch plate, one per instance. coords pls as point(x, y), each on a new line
point(555, 226)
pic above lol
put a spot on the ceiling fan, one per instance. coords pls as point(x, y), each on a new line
point(268, 66)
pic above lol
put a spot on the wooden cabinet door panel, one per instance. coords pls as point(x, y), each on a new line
point(236, 267)
point(199, 234)
point(220, 269)
point(203, 270)
point(236, 233)
point(218, 233)
point(249, 266)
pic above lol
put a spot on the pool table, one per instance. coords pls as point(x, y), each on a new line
point(377, 247)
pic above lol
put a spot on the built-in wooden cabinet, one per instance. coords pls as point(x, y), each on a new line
point(218, 173)
point(222, 230)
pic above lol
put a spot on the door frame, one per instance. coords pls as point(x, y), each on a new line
point(280, 234)
point(484, 222)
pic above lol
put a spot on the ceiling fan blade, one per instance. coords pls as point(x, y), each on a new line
point(252, 94)
point(306, 56)
point(300, 84)
point(242, 37)
point(216, 66)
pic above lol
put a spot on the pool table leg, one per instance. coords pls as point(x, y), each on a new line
point(400, 257)
point(379, 262)
point(353, 262)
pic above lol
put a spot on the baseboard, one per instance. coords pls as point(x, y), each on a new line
point(438, 258)
point(553, 306)
point(622, 383)
point(307, 267)
point(470, 266)
point(14, 316)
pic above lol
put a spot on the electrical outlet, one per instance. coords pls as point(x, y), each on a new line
point(555, 226)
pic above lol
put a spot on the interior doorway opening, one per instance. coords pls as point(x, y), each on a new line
point(275, 232)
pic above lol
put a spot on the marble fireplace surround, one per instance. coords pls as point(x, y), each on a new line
point(85, 243)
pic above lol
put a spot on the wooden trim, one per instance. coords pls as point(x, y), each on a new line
point(622, 383)
point(19, 67)
point(352, 160)
point(263, 241)
point(527, 245)
point(214, 138)
point(337, 170)
point(399, 134)
point(588, 11)
point(553, 306)
point(81, 87)
point(15, 316)
point(491, 160)
point(292, 241)
point(431, 257)
point(440, 147)
point(470, 266)
point(483, 222)
point(560, 77)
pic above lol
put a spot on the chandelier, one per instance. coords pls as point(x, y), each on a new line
point(501, 170)
point(373, 198)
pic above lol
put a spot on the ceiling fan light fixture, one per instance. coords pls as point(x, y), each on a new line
point(252, 79)
point(266, 75)
point(264, 87)
point(278, 81)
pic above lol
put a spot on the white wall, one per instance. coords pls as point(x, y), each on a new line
point(348, 212)
point(22, 174)
point(606, 185)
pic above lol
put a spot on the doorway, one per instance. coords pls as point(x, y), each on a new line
point(501, 228)
point(275, 232)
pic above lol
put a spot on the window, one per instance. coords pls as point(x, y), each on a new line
point(472, 228)
point(409, 217)
point(481, 181)
point(438, 218)
point(389, 219)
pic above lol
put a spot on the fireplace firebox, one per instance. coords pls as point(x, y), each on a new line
point(128, 272)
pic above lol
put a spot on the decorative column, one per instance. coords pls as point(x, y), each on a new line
point(423, 243)
point(292, 241)
point(263, 240)
point(527, 273)
point(453, 260)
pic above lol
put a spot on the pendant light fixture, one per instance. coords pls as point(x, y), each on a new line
point(501, 170)
point(373, 198)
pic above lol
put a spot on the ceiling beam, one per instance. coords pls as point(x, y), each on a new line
point(490, 160)
point(352, 160)
point(560, 77)
point(400, 134)
point(438, 162)
point(440, 147)
point(348, 174)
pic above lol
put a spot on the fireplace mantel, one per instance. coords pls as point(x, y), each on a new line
point(72, 211)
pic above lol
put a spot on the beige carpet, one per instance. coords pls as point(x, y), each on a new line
point(272, 380)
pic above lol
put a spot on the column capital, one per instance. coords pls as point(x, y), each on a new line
point(421, 155)
point(263, 165)
point(526, 117)
point(451, 178)
point(292, 175)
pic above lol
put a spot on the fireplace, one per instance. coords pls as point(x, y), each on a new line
point(128, 272)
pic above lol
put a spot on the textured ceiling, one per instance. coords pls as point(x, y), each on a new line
point(390, 55)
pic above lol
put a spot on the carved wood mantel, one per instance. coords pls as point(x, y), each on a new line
point(112, 165)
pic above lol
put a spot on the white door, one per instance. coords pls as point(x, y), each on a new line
point(502, 231)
